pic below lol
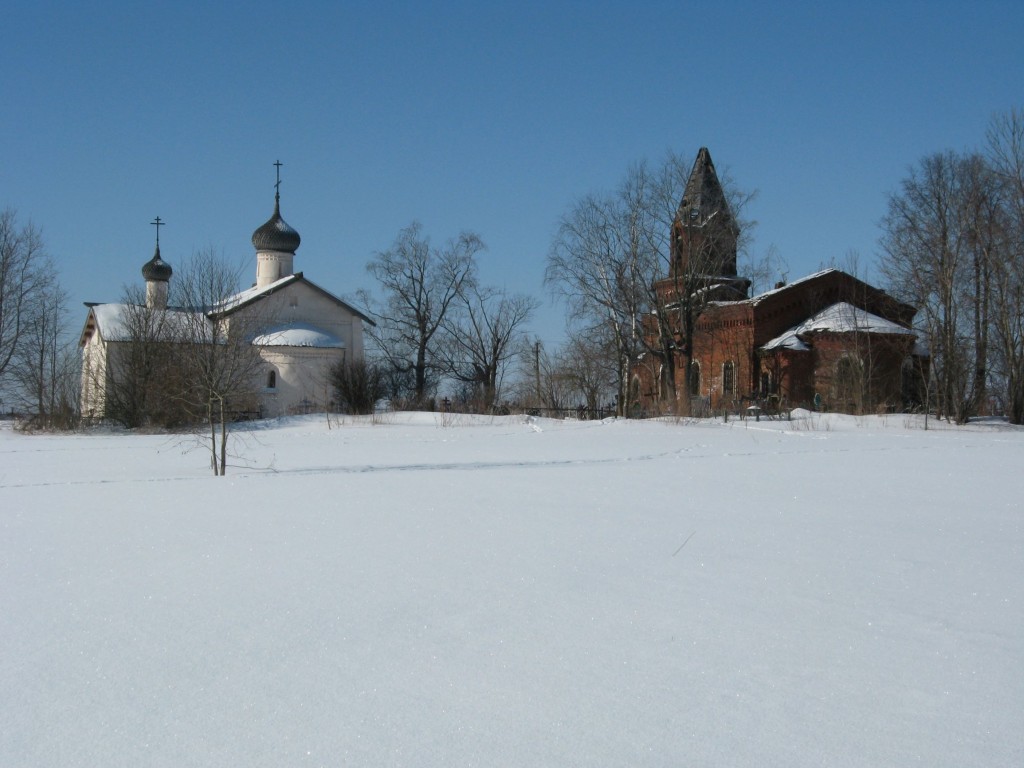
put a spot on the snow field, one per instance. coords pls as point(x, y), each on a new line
point(448, 591)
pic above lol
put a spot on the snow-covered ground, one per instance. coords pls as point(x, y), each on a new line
point(434, 591)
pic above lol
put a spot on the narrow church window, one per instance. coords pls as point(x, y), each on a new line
point(272, 380)
point(694, 378)
point(728, 376)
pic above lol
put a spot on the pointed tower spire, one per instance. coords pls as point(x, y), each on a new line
point(704, 232)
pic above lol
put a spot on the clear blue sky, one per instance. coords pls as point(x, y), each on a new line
point(472, 115)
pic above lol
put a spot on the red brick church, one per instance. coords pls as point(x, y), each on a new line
point(828, 340)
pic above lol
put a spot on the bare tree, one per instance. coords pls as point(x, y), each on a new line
point(600, 279)
point(582, 365)
point(135, 379)
point(45, 369)
point(25, 272)
point(985, 225)
point(550, 385)
point(1006, 158)
point(581, 372)
point(419, 285)
point(538, 384)
point(938, 241)
point(483, 335)
point(219, 364)
point(358, 385)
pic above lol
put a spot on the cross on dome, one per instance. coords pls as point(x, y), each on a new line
point(156, 269)
point(276, 234)
point(158, 222)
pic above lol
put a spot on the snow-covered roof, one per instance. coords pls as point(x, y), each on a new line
point(298, 335)
point(841, 317)
point(788, 340)
point(119, 322)
point(111, 321)
point(249, 295)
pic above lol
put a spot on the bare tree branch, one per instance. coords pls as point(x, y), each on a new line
point(419, 285)
point(483, 336)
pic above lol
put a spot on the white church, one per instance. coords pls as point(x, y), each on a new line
point(303, 329)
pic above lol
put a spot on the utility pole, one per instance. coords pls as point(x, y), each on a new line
point(536, 369)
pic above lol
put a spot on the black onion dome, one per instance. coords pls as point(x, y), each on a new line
point(156, 268)
point(276, 235)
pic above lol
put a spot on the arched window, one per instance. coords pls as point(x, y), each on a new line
point(694, 378)
point(272, 380)
point(728, 378)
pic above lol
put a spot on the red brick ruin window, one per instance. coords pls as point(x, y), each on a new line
point(694, 378)
point(728, 378)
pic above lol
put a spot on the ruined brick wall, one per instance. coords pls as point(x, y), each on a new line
point(724, 334)
point(642, 390)
point(877, 358)
point(732, 332)
point(791, 376)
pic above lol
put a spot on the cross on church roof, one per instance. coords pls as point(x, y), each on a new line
point(277, 185)
point(158, 222)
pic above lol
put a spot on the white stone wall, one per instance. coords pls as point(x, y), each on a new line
point(271, 266)
point(300, 372)
point(301, 382)
point(298, 303)
point(156, 294)
point(94, 377)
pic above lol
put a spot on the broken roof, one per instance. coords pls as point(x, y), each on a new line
point(840, 317)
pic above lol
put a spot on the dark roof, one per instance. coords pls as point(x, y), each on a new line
point(276, 235)
point(703, 196)
point(842, 286)
point(156, 268)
